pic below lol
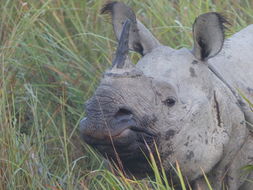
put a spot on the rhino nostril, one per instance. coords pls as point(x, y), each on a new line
point(123, 113)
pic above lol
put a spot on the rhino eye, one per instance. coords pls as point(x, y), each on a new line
point(170, 102)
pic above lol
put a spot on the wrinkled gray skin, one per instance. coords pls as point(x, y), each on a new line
point(172, 94)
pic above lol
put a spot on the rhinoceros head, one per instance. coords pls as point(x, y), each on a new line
point(169, 97)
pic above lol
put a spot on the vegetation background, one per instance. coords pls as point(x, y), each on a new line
point(52, 55)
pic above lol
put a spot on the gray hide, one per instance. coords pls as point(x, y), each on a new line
point(173, 96)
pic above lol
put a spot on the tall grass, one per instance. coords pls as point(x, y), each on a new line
point(52, 55)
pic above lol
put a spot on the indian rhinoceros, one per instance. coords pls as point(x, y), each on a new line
point(188, 102)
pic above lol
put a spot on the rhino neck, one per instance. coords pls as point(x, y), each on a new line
point(242, 104)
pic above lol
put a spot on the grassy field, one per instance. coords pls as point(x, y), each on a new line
point(53, 53)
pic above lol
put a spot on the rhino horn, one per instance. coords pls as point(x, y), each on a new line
point(208, 35)
point(140, 38)
point(122, 50)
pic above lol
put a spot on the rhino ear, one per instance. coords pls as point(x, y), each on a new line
point(208, 35)
point(140, 38)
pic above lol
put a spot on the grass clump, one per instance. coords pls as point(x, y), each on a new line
point(52, 55)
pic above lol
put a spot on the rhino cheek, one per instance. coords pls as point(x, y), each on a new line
point(196, 142)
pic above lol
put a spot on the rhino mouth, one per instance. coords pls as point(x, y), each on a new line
point(126, 148)
point(125, 143)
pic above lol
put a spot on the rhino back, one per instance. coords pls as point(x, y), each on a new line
point(235, 61)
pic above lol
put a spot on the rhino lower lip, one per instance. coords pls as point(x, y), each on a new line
point(118, 137)
point(133, 133)
point(123, 133)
